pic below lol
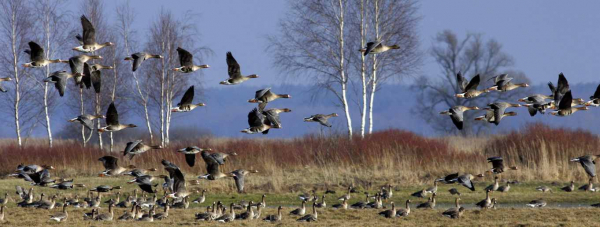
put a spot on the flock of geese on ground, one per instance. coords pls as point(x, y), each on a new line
point(176, 193)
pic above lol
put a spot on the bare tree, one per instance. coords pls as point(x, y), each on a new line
point(471, 56)
point(312, 40)
point(16, 27)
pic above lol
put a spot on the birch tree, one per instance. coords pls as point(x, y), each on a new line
point(312, 41)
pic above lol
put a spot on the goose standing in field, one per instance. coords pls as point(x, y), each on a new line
point(489, 115)
point(594, 99)
point(569, 188)
point(235, 74)
point(190, 154)
point(150, 216)
point(5, 200)
point(212, 167)
point(228, 217)
point(264, 96)
point(321, 118)
point(504, 188)
point(309, 217)
point(347, 195)
point(59, 79)
point(111, 166)
point(588, 162)
point(499, 110)
point(565, 107)
point(274, 218)
point(186, 105)
point(179, 184)
point(454, 191)
point(404, 212)
point(208, 215)
point(108, 216)
point(140, 57)
point(322, 204)
point(456, 114)
point(62, 216)
point(544, 188)
point(343, 205)
point(360, 204)
point(128, 215)
point(562, 87)
point(249, 214)
point(137, 148)
point(487, 202)
point(88, 40)
point(260, 123)
point(503, 83)
point(537, 203)
point(588, 187)
point(469, 90)
point(2, 89)
point(164, 214)
point(454, 214)
point(429, 204)
point(186, 60)
point(536, 103)
point(37, 57)
point(391, 213)
point(239, 176)
point(377, 47)
point(112, 121)
point(431, 189)
point(201, 199)
point(299, 211)
point(494, 186)
point(87, 120)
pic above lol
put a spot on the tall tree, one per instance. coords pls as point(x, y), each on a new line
point(471, 56)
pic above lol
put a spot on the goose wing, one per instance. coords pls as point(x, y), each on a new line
point(96, 78)
point(185, 57)
point(371, 46)
point(461, 82)
point(233, 68)
point(255, 118)
point(260, 93)
point(565, 102)
point(109, 162)
point(36, 52)
point(272, 118)
point(190, 159)
point(130, 146)
point(138, 58)
point(596, 93)
point(89, 33)
point(112, 116)
point(239, 182)
point(87, 76)
point(473, 83)
point(588, 165)
point(457, 117)
point(188, 97)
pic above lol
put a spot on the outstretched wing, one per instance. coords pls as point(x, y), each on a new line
point(461, 82)
point(565, 102)
point(188, 97)
point(233, 68)
point(97, 80)
point(89, 33)
point(473, 83)
point(36, 52)
point(87, 75)
point(112, 117)
point(185, 57)
point(255, 118)
point(261, 93)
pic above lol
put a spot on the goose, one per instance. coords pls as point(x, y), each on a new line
point(208, 215)
point(504, 188)
point(449, 179)
point(561, 89)
point(145, 183)
point(588, 187)
point(190, 154)
point(129, 215)
point(179, 184)
point(429, 204)
point(48, 205)
point(186, 60)
point(487, 202)
point(63, 185)
point(498, 165)
point(469, 90)
point(274, 113)
point(489, 115)
point(359, 204)
point(249, 214)
point(138, 172)
point(111, 166)
point(454, 214)
point(264, 96)
point(138, 147)
point(588, 162)
point(544, 188)
point(389, 213)
point(503, 83)
point(183, 204)
point(238, 176)
point(322, 204)
point(37, 57)
point(62, 216)
point(454, 191)
point(301, 210)
point(212, 167)
point(404, 212)
point(92, 78)
point(59, 79)
point(456, 206)
point(420, 194)
point(148, 203)
point(201, 199)
point(185, 105)
point(565, 108)
point(431, 189)
point(260, 122)
point(112, 121)
point(347, 195)
point(343, 205)
point(499, 110)
point(377, 47)
point(378, 203)
point(494, 186)
point(88, 40)
point(258, 212)
point(274, 218)
point(569, 188)
point(308, 197)
point(229, 217)
point(235, 75)
point(2, 89)
point(466, 180)
point(140, 57)
point(536, 103)
point(104, 188)
point(537, 203)
point(27, 197)
point(77, 64)
point(87, 120)
point(263, 202)
point(150, 216)
point(321, 118)
point(594, 99)
point(309, 217)
point(5, 200)
point(456, 114)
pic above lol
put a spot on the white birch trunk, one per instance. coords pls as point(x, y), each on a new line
point(343, 78)
point(374, 76)
point(363, 77)
point(81, 112)
point(16, 75)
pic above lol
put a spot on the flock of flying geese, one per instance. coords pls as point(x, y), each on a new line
point(176, 194)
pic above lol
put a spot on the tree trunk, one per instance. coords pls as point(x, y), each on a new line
point(363, 77)
point(81, 112)
point(162, 105)
point(47, 112)
point(16, 74)
point(98, 121)
point(374, 76)
point(343, 78)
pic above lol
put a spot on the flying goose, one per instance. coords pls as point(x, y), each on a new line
point(562, 87)
point(111, 166)
point(537, 203)
point(469, 90)
point(2, 89)
point(87, 120)
point(274, 113)
point(264, 96)
point(537, 103)
point(138, 147)
point(489, 115)
point(565, 107)
point(404, 212)
point(37, 57)
point(91, 78)
point(179, 184)
point(274, 218)
point(76, 63)
point(145, 183)
point(88, 40)
point(309, 217)
point(190, 154)
point(235, 75)
point(62, 216)
point(260, 122)
point(499, 110)
point(186, 105)
point(588, 162)
point(456, 114)
point(238, 176)
point(104, 188)
point(140, 57)
point(228, 217)
point(112, 121)
point(594, 99)
point(59, 79)
point(212, 167)
point(503, 83)
point(487, 202)
point(389, 213)
point(186, 60)
point(321, 118)
point(377, 47)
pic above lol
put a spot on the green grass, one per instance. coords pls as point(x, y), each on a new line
point(507, 215)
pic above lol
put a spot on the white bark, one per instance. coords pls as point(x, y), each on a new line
point(363, 76)
point(81, 112)
point(16, 75)
point(46, 111)
point(342, 70)
point(374, 74)
point(162, 103)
